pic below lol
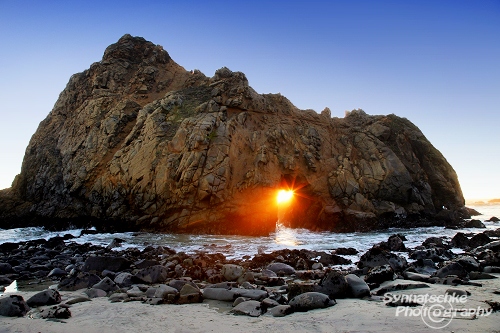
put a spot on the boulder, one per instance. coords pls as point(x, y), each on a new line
point(357, 285)
point(334, 285)
point(396, 286)
point(46, 297)
point(474, 224)
point(395, 243)
point(136, 292)
point(219, 294)
point(481, 276)
point(469, 263)
point(491, 269)
point(106, 284)
point(4, 281)
point(153, 274)
point(57, 272)
point(416, 276)
point(240, 300)
point(56, 312)
point(79, 281)
point(379, 257)
point(435, 254)
point(456, 292)
point(281, 268)
point(350, 251)
point(124, 279)
point(94, 293)
point(451, 269)
point(281, 310)
point(268, 303)
point(432, 242)
point(154, 301)
point(189, 294)
point(232, 272)
point(5, 268)
point(13, 306)
point(78, 299)
point(310, 301)
point(460, 240)
point(479, 240)
point(100, 263)
point(297, 288)
point(248, 308)
point(118, 297)
point(380, 274)
point(145, 263)
point(162, 291)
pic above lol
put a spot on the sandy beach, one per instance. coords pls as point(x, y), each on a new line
point(348, 315)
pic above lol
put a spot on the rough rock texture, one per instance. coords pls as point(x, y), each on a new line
point(138, 142)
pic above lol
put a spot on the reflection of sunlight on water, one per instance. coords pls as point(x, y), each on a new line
point(285, 236)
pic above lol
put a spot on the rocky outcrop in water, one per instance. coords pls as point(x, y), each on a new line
point(138, 142)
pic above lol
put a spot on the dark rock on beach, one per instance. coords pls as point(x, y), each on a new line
point(13, 306)
point(46, 297)
point(310, 301)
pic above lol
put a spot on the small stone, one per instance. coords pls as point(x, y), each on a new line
point(281, 310)
point(457, 292)
point(118, 297)
point(317, 266)
point(248, 308)
point(79, 299)
point(94, 293)
point(154, 300)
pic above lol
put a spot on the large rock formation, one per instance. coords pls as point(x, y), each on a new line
point(138, 142)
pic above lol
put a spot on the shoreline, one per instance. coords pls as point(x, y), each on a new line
point(95, 289)
point(352, 315)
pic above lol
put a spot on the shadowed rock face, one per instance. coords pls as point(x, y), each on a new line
point(138, 142)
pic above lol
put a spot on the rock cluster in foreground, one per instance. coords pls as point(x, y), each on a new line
point(137, 142)
point(278, 283)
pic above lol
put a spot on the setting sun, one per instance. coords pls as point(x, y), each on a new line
point(284, 196)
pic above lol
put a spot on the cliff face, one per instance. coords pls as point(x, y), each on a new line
point(137, 142)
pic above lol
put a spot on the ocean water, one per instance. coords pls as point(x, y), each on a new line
point(235, 247)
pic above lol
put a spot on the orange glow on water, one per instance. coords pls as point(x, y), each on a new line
point(284, 196)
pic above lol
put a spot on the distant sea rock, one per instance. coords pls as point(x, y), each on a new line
point(136, 142)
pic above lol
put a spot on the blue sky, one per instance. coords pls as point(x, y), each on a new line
point(433, 62)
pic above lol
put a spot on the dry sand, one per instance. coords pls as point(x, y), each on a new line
point(349, 315)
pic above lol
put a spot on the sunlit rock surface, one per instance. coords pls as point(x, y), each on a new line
point(137, 142)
